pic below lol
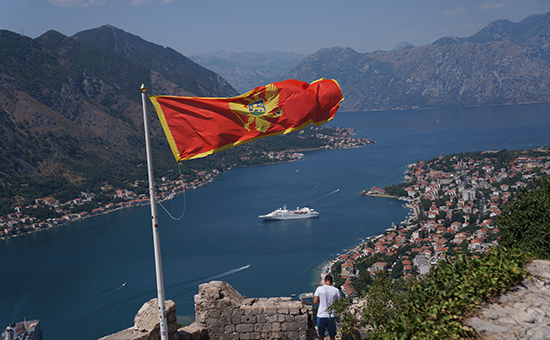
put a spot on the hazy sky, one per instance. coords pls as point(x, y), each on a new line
point(302, 26)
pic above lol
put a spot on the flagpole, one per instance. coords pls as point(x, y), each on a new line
point(156, 241)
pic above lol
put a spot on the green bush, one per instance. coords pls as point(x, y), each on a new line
point(434, 306)
point(525, 224)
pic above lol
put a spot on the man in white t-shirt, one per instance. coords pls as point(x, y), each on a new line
point(325, 295)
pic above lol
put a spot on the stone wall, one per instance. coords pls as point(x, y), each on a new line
point(222, 313)
point(226, 314)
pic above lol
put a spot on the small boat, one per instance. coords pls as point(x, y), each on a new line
point(285, 214)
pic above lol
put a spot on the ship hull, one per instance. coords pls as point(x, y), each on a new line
point(284, 214)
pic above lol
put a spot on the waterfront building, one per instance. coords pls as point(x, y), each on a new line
point(24, 330)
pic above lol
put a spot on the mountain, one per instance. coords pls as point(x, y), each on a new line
point(245, 71)
point(70, 107)
point(170, 65)
point(504, 63)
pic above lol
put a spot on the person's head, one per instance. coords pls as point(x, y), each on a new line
point(328, 279)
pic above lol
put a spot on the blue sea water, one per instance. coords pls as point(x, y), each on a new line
point(89, 278)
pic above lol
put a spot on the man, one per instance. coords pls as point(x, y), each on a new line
point(325, 295)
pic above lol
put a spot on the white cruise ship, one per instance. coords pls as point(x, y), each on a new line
point(285, 214)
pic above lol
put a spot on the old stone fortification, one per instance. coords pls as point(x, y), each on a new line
point(222, 313)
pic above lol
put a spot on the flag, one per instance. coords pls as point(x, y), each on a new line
point(196, 127)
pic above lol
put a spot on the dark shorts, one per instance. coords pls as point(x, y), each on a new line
point(324, 324)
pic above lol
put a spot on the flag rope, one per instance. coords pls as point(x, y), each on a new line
point(184, 201)
point(166, 210)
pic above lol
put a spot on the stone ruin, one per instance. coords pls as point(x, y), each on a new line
point(222, 313)
point(146, 324)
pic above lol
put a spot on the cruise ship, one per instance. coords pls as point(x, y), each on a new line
point(24, 330)
point(285, 214)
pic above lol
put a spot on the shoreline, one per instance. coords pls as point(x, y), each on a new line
point(74, 217)
point(412, 205)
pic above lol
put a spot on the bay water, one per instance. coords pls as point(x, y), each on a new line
point(89, 278)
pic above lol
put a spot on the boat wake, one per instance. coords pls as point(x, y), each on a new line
point(191, 285)
point(119, 288)
point(330, 193)
point(173, 291)
point(229, 272)
point(208, 278)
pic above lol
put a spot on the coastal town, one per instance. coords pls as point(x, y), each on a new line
point(454, 201)
point(27, 219)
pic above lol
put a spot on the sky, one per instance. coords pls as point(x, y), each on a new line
point(194, 27)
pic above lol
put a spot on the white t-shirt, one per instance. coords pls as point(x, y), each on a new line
point(327, 295)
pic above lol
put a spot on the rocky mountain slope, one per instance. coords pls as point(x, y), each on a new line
point(70, 107)
point(504, 63)
point(166, 63)
point(245, 71)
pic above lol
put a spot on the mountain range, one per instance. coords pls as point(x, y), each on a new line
point(70, 107)
point(504, 63)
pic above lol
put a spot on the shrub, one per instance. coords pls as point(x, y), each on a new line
point(434, 306)
point(525, 224)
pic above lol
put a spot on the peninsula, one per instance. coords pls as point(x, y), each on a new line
point(454, 201)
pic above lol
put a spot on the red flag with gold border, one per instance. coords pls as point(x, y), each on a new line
point(196, 127)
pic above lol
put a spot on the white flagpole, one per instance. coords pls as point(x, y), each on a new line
point(156, 241)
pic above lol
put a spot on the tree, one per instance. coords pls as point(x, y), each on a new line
point(525, 224)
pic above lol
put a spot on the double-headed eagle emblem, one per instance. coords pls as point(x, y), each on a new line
point(255, 108)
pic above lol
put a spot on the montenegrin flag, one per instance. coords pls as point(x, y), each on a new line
point(197, 127)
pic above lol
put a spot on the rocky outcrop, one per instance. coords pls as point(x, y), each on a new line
point(522, 313)
point(146, 323)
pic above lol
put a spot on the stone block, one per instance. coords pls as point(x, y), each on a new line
point(272, 318)
point(148, 315)
point(245, 328)
point(262, 327)
point(283, 310)
point(248, 319)
point(194, 331)
point(293, 335)
point(255, 336)
point(215, 331)
point(294, 310)
point(224, 303)
point(214, 322)
point(290, 326)
point(213, 313)
point(256, 309)
point(270, 310)
point(276, 327)
point(227, 313)
point(238, 312)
